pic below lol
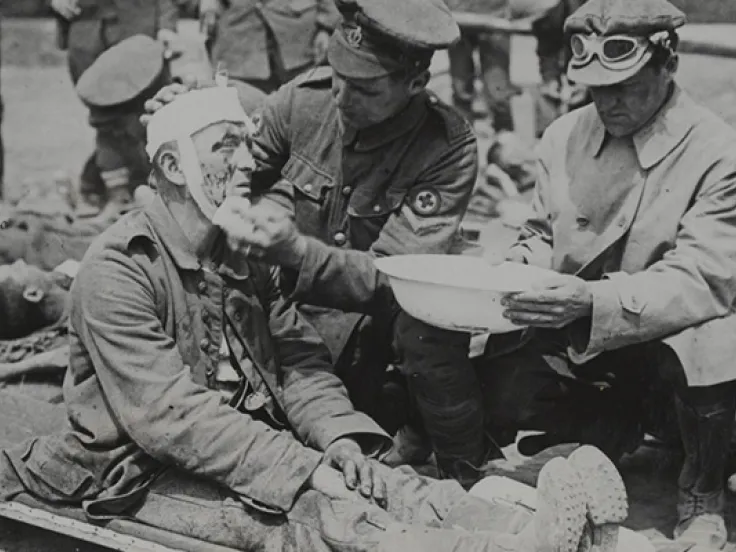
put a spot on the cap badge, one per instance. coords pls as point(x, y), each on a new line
point(354, 36)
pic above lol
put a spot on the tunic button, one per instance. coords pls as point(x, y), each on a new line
point(204, 344)
point(209, 372)
point(347, 190)
point(582, 221)
point(340, 238)
point(238, 316)
point(376, 208)
point(202, 286)
point(307, 187)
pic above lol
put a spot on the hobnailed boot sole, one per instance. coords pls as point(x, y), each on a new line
point(605, 495)
point(560, 517)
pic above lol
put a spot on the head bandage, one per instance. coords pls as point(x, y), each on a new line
point(187, 114)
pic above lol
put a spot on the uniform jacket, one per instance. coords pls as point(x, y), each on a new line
point(674, 274)
point(104, 23)
point(241, 42)
point(146, 327)
point(400, 187)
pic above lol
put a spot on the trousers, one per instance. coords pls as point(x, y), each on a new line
point(494, 52)
point(442, 397)
point(612, 401)
point(422, 514)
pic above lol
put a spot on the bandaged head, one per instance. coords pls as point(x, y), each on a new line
point(187, 114)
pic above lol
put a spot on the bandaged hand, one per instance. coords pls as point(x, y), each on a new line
point(263, 231)
point(553, 303)
point(359, 472)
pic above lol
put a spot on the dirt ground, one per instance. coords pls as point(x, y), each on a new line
point(45, 132)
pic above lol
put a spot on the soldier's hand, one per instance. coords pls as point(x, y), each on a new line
point(553, 303)
point(165, 96)
point(360, 472)
point(68, 9)
point(263, 231)
point(319, 46)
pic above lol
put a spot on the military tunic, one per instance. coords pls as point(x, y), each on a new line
point(399, 187)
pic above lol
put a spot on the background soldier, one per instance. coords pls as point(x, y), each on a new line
point(267, 43)
point(86, 29)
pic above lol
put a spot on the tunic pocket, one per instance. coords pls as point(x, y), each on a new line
point(312, 187)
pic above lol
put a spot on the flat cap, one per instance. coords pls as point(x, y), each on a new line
point(380, 37)
point(631, 17)
point(122, 72)
point(645, 19)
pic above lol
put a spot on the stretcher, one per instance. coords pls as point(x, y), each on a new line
point(22, 417)
point(119, 534)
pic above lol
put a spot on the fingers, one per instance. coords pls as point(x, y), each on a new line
point(541, 307)
point(350, 472)
point(366, 478)
point(536, 319)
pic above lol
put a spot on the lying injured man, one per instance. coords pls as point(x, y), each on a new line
point(199, 402)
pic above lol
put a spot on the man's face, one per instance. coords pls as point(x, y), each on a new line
point(627, 106)
point(362, 103)
point(226, 160)
point(30, 298)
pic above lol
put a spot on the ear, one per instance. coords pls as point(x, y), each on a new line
point(419, 83)
point(168, 162)
point(673, 64)
point(32, 294)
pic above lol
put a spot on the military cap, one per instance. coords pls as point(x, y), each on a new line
point(649, 21)
point(380, 37)
point(122, 72)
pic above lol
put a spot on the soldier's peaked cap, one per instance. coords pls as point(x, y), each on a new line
point(378, 37)
point(631, 17)
point(122, 72)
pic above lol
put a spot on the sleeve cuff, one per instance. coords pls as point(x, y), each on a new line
point(278, 488)
point(606, 308)
point(358, 427)
point(298, 284)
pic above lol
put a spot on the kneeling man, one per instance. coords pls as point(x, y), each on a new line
point(635, 206)
point(190, 377)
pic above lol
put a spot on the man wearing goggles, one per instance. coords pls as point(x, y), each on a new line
point(634, 207)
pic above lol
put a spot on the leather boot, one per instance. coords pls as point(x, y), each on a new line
point(705, 429)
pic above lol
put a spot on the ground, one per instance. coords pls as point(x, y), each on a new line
point(45, 132)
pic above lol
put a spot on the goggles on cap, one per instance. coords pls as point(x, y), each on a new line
point(616, 52)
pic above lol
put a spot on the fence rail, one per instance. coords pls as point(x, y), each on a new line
point(720, 44)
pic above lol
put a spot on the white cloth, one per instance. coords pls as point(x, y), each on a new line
point(504, 488)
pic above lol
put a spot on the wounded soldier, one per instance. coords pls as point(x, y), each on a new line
point(191, 384)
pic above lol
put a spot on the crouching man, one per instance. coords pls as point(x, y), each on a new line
point(635, 206)
point(189, 379)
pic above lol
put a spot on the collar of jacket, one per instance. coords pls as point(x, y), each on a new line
point(179, 247)
point(659, 137)
point(394, 127)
